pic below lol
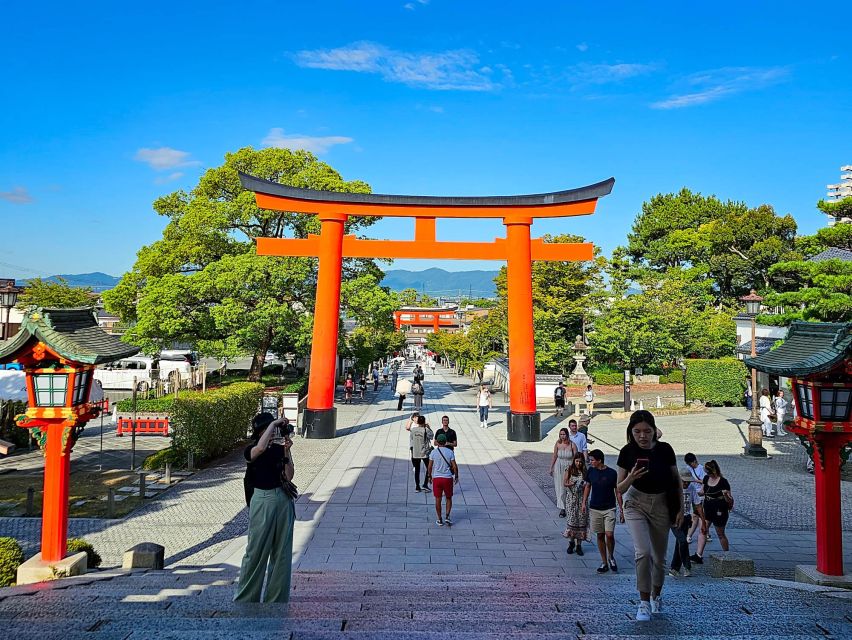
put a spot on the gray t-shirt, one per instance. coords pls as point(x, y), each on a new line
point(440, 463)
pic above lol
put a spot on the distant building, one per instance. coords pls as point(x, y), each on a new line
point(470, 313)
point(839, 191)
point(418, 322)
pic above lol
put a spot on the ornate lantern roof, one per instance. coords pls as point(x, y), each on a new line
point(73, 334)
point(811, 348)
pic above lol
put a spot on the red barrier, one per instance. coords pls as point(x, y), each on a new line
point(144, 426)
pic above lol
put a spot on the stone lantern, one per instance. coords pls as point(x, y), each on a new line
point(58, 349)
point(579, 375)
point(817, 356)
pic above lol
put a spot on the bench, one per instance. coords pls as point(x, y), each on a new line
point(6, 448)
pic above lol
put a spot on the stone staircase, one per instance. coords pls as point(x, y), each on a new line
point(195, 603)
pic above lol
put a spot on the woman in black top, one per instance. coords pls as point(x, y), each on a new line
point(718, 501)
point(269, 551)
point(649, 480)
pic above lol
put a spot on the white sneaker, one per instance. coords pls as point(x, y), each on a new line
point(643, 614)
point(673, 573)
point(657, 604)
point(686, 572)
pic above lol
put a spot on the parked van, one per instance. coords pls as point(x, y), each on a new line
point(120, 374)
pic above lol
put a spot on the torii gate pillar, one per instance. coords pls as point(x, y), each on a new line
point(517, 249)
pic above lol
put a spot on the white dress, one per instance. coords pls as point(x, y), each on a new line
point(765, 412)
point(564, 455)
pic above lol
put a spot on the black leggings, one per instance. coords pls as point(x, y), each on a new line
point(415, 462)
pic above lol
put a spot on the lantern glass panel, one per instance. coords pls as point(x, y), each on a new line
point(50, 389)
point(80, 385)
point(752, 308)
point(806, 403)
point(834, 404)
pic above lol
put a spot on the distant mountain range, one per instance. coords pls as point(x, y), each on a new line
point(438, 282)
point(435, 282)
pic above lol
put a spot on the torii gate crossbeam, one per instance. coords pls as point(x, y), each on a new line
point(517, 249)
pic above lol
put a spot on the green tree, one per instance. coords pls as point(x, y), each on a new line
point(203, 282)
point(57, 294)
point(412, 298)
point(822, 292)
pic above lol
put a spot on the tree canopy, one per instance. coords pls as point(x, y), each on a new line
point(55, 293)
point(203, 282)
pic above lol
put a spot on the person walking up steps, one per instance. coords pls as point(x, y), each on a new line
point(680, 557)
point(563, 452)
point(444, 473)
point(649, 479)
point(483, 403)
point(600, 497)
point(718, 503)
point(577, 521)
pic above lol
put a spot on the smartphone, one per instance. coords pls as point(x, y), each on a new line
point(643, 463)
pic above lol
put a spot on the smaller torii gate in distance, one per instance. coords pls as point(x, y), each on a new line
point(517, 249)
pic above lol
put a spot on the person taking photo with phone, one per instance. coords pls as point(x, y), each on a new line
point(269, 552)
point(649, 480)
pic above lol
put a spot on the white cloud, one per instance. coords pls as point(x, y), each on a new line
point(582, 47)
point(715, 84)
point(447, 70)
point(169, 178)
point(314, 144)
point(409, 5)
point(18, 195)
point(607, 73)
point(164, 158)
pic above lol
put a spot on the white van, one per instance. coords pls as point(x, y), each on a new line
point(120, 374)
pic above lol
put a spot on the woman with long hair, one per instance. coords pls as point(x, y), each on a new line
point(563, 452)
point(718, 502)
point(577, 519)
point(650, 482)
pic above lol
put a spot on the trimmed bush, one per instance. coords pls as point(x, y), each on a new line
point(716, 382)
point(150, 405)
point(93, 558)
point(9, 430)
point(609, 378)
point(210, 424)
point(11, 557)
point(674, 375)
point(158, 460)
point(299, 386)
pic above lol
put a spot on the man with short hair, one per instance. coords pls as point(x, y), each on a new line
point(559, 398)
point(577, 437)
point(601, 495)
point(449, 434)
point(444, 473)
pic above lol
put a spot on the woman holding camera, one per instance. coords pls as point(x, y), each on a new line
point(649, 480)
point(271, 513)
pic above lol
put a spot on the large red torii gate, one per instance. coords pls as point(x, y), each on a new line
point(517, 249)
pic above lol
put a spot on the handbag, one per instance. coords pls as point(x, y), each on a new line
point(729, 500)
point(289, 488)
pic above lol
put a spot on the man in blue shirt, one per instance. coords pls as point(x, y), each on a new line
point(600, 483)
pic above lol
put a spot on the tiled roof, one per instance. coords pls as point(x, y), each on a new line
point(72, 333)
point(810, 347)
point(832, 253)
point(762, 346)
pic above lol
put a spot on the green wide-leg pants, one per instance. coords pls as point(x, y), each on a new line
point(270, 548)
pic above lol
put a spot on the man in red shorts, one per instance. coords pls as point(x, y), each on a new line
point(444, 473)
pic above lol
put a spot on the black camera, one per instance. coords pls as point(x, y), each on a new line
point(284, 430)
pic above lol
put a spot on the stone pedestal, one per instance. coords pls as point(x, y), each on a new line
point(809, 574)
point(37, 570)
point(145, 555)
point(728, 565)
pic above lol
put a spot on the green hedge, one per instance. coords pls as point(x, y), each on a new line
point(672, 377)
point(93, 558)
point(210, 424)
point(11, 557)
point(716, 382)
point(151, 405)
point(609, 378)
point(9, 430)
point(159, 459)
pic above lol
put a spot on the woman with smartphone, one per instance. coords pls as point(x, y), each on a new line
point(269, 552)
point(649, 480)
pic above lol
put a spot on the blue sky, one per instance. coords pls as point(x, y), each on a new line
point(106, 106)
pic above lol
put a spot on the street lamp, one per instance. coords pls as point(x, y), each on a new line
point(755, 448)
point(682, 364)
point(8, 299)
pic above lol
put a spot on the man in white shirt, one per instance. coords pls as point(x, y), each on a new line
point(578, 438)
point(589, 397)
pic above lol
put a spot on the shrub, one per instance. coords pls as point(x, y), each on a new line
point(299, 386)
point(159, 459)
point(609, 378)
point(716, 382)
point(93, 558)
point(210, 424)
point(672, 377)
point(150, 405)
point(9, 430)
point(11, 557)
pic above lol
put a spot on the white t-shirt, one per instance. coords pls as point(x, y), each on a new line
point(441, 467)
point(697, 483)
point(589, 395)
point(579, 440)
point(484, 398)
point(780, 405)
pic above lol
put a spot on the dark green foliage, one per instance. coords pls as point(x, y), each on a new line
point(151, 405)
point(159, 459)
point(672, 377)
point(9, 430)
point(716, 382)
point(11, 557)
point(55, 294)
point(210, 424)
point(93, 558)
point(609, 378)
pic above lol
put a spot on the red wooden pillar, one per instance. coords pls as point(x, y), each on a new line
point(57, 474)
point(829, 531)
point(524, 422)
point(320, 417)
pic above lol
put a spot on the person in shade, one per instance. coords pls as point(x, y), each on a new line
point(445, 474)
point(601, 496)
point(420, 443)
point(649, 480)
point(269, 552)
point(680, 557)
point(577, 517)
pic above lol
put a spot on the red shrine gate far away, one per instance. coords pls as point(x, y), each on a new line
point(517, 249)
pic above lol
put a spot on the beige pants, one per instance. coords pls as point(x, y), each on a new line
point(647, 517)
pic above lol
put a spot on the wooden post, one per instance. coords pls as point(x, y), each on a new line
point(829, 529)
point(57, 474)
point(110, 503)
point(30, 501)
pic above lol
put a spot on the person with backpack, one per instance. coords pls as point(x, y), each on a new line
point(272, 513)
point(559, 398)
point(420, 441)
point(445, 474)
point(348, 388)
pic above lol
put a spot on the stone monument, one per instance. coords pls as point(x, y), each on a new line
point(579, 375)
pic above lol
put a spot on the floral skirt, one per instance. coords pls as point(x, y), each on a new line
point(576, 522)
